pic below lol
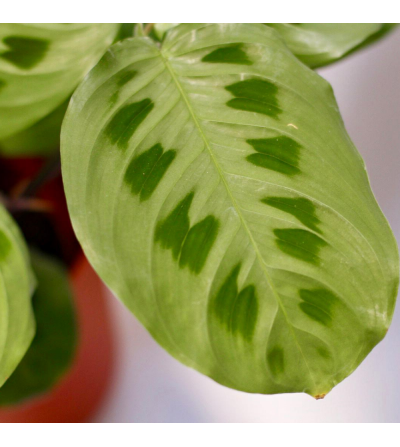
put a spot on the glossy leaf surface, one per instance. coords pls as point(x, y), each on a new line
point(41, 64)
point(52, 348)
point(318, 44)
point(17, 325)
point(215, 190)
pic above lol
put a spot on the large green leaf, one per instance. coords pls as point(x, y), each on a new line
point(52, 349)
point(41, 64)
point(215, 190)
point(17, 324)
point(318, 44)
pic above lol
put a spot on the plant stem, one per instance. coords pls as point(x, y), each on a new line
point(147, 29)
point(23, 198)
point(50, 169)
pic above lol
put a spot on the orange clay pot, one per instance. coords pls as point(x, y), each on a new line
point(78, 395)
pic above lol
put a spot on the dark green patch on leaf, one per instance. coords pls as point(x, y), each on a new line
point(276, 360)
point(318, 304)
point(226, 297)
point(198, 244)
point(146, 171)
point(125, 122)
point(173, 230)
point(300, 244)
point(2, 84)
point(125, 77)
point(279, 154)
point(232, 54)
point(301, 208)
point(24, 52)
point(190, 245)
point(245, 313)
point(324, 353)
point(255, 95)
point(236, 312)
point(5, 246)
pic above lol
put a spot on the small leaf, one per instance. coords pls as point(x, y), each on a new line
point(41, 64)
point(17, 324)
point(53, 346)
point(258, 254)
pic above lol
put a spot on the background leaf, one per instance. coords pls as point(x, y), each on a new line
point(17, 325)
point(215, 190)
point(53, 346)
point(125, 31)
point(41, 139)
point(160, 29)
point(318, 44)
point(41, 64)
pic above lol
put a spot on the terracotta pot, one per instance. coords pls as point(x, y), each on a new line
point(77, 396)
point(80, 392)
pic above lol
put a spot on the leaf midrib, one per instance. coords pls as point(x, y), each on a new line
point(236, 207)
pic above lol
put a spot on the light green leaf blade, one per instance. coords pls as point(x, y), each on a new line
point(52, 349)
point(318, 44)
point(17, 324)
point(41, 64)
point(215, 190)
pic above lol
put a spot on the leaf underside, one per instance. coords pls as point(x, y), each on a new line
point(215, 190)
point(41, 64)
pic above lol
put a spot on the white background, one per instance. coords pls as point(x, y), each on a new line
point(150, 386)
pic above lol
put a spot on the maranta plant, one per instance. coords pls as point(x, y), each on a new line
point(213, 187)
